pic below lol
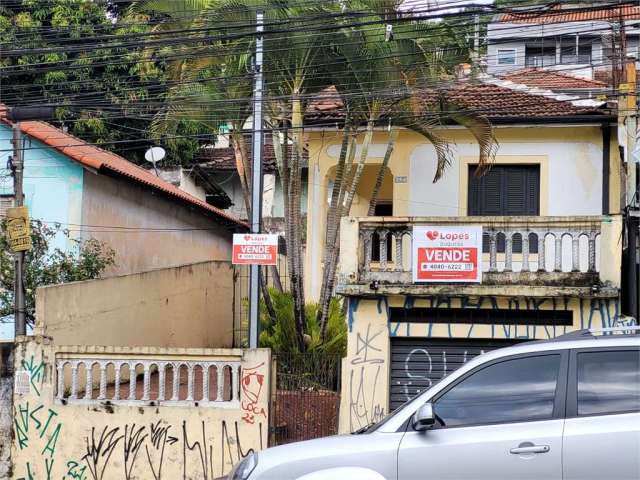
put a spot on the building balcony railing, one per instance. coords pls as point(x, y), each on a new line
point(540, 251)
point(539, 60)
point(133, 377)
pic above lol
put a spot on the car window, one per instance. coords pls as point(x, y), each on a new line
point(608, 382)
point(522, 389)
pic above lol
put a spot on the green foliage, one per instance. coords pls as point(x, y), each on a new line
point(108, 95)
point(281, 335)
point(48, 266)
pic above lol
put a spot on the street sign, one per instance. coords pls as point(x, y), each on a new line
point(18, 229)
point(255, 249)
point(447, 254)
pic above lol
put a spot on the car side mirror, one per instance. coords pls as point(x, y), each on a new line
point(424, 419)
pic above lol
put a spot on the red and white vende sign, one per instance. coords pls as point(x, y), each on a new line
point(255, 249)
point(447, 254)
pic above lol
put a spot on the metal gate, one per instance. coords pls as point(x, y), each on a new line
point(419, 363)
point(306, 400)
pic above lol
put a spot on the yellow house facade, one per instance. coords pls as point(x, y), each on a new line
point(550, 216)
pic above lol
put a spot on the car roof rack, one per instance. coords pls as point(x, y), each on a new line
point(600, 332)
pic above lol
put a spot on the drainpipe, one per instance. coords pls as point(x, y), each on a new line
point(606, 166)
point(632, 268)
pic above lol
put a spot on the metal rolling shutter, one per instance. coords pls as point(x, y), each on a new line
point(418, 363)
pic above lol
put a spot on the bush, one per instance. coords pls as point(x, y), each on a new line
point(281, 335)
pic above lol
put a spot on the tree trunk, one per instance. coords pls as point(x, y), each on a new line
point(277, 282)
point(297, 275)
point(393, 136)
point(333, 218)
point(331, 267)
point(282, 159)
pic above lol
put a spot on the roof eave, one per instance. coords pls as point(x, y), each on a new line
point(232, 224)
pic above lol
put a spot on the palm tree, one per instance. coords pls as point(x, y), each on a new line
point(379, 80)
point(383, 81)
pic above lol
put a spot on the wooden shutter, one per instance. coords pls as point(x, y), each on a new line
point(505, 190)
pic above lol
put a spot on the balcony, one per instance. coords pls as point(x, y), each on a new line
point(550, 255)
point(538, 61)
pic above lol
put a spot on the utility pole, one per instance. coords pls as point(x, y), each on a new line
point(16, 115)
point(256, 182)
point(17, 164)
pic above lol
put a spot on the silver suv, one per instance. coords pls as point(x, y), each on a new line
point(563, 409)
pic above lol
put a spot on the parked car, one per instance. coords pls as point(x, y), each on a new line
point(567, 408)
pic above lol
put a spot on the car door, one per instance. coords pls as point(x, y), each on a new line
point(602, 430)
point(501, 421)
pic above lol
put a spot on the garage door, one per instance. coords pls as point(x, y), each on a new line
point(419, 363)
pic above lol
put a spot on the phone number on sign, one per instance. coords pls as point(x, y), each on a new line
point(440, 267)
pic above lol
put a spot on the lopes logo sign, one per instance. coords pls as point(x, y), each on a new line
point(255, 249)
point(447, 254)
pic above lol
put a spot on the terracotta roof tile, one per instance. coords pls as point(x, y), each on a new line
point(496, 102)
point(98, 159)
point(224, 159)
point(574, 14)
point(536, 77)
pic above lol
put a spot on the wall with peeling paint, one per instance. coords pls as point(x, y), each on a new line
point(192, 301)
point(366, 369)
point(6, 411)
point(570, 158)
point(96, 440)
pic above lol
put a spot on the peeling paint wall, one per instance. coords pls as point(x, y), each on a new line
point(187, 306)
point(98, 441)
point(147, 230)
point(366, 369)
point(6, 411)
point(570, 158)
point(52, 185)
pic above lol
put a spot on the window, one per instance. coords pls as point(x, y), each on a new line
point(518, 390)
point(507, 57)
point(575, 49)
point(506, 190)
point(540, 55)
point(608, 382)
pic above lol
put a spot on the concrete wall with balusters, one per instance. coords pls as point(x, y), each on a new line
point(185, 413)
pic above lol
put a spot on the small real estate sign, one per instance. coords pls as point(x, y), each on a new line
point(255, 249)
point(447, 254)
point(18, 229)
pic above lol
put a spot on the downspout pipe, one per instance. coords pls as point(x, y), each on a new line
point(606, 167)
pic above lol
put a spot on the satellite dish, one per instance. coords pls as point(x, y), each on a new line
point(153, 155)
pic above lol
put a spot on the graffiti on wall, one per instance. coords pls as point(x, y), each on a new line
point(35, 424)
point(365, 375)
point(167, 442)
point(252, 385)
point(142, 451)
point(593, 313)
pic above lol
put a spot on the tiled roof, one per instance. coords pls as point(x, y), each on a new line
point(575, 13)
point(224, 159)
point(101, 160)
point(503, 103)
point(327, 101)
point(496, 102)
point(536, 77)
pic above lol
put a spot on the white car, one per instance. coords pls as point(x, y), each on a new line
point(564, 409)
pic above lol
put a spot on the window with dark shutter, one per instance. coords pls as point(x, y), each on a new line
point(512, 190)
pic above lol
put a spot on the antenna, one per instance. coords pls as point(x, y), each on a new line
point(153, 155)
